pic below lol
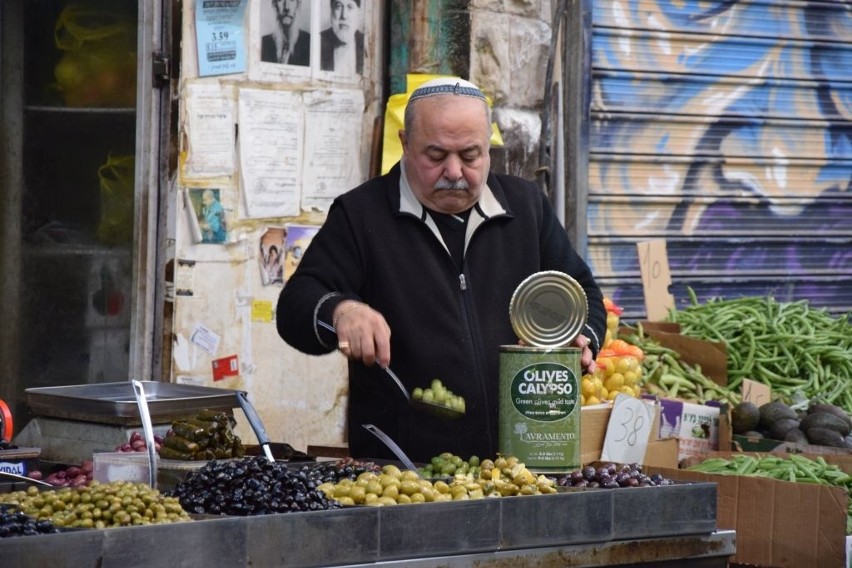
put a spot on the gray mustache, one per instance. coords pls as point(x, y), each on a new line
point(459, 184)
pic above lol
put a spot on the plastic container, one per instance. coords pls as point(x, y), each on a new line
point(133, 466)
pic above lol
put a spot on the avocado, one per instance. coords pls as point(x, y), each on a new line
point(796, 436)
point(781, 427)
point(831, 409)
point(824, 437)
point(744, 417)
point(826, 420)
point(771, 412)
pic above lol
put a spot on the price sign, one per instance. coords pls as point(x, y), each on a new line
point(656, 278)
point(756, 392)
point(627, 431)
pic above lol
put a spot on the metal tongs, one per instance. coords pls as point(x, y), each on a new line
point(392, 446)
point(148, 431)
point(432, 408)
point(17, 477)
point(428, 407)
point(256, 424)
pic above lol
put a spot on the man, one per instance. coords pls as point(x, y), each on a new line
point(212, 218)
point(288, 43)
point(415, 270)
point(342, 45)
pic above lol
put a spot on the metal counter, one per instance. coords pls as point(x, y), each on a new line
point(649, 526)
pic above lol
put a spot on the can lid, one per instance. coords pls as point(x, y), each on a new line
point(548, 309)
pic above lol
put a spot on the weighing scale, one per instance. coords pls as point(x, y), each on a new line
point(73, 422)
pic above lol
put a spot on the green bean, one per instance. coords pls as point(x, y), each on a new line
point(787, 345)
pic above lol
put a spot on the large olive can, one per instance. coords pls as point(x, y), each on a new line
point(539, 413)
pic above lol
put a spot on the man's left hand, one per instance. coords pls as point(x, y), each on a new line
point(587, 362)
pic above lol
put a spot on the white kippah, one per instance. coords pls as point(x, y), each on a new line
point(447, 86)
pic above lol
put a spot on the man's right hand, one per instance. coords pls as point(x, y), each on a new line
point(362, 333)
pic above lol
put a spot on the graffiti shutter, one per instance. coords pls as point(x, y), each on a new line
point(724, 128)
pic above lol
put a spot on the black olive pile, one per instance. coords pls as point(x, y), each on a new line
point(256, 486)
point(17, 523)
point(335, 471)
point(611, 476)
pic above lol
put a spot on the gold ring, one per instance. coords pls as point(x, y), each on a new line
point(342, 345)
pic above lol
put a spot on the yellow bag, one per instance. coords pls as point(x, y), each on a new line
point(395, 119)
point(98, 68)
point(116, 187)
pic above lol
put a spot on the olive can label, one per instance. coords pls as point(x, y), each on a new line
point(539, 414)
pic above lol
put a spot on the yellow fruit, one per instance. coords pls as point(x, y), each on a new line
point(628, 391)
point(611, 395)
point(608, 366)
point(627, 363)
point(588, 386)
point(612, 322)
point(593, 400)
point(630, 378)
point(615, 382)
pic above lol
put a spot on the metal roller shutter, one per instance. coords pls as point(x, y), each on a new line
point(724, 128)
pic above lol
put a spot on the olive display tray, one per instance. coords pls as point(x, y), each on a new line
point(106, 402)
point(367, 535)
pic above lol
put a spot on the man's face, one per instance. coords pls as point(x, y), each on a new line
point(345, 19)
point(446, 153)
point(285, 11)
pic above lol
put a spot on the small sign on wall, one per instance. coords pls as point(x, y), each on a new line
point(656, 278)
point(225, 367)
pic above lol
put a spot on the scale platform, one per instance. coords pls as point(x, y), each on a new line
point(73, 422)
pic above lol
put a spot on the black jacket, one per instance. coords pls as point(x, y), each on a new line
point(329, 42)
point(299, 55)
point(379, 245)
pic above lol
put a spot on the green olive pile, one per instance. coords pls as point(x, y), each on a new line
point(209, 435)
point(502, 477)
point(99, 505)
point(17, 523)
point(438, 394)
point(448, 464)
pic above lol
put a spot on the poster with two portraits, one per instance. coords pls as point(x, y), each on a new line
point(296, 40)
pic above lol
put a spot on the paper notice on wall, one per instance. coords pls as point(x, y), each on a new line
point(219, 36)
point(210, 130)
point(332, 146)
point(270, 149)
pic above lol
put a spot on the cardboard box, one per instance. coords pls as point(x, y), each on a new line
point(696, 426)
point(779, 524)
point(711, 356)
point(593, 425)
point(843, 461)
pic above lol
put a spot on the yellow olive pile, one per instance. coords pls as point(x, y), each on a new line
point(99, 505)
point(502, 477)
